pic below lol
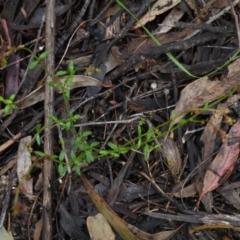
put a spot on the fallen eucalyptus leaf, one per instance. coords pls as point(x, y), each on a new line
point(172, 154)
point(222, 165)
point(99, 228)
point(158, 8)
point(203, 90)
point(23, 165)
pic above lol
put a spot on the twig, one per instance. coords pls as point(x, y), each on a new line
point(34, 51)
point(48, 109)
point(226, 9)
point(7, 197)
point(236, 22)
point(73, 26)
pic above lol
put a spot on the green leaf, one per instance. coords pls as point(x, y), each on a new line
point(76, 117)
point(62, 155)
point(8, 101)
point(71, 67)
point(146, 152)
point(32, 65)
point(77, 170)
point(94, 144)
point(38, 139)
point(112, 145)
point(114, 154)
point(54, 85)
point(89, 157)
point(2, 99)
point(68, 125)
point(149, 134)
point(69, 81)
point(103, 152)
point(12, 97)
point(38, 127)
point(73, 155)
point(53, 156)
point(62, 169)
point(206, 106)
point(61, 73)
point(7, 109)
point(87, 133)
point(43, 55)
point(41, 154)
point(123, 150)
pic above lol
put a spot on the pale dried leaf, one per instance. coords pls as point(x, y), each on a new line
point(164, 235)
point(232, 197)
point(39, 94)
point(4, 235)
point(168, 23)
point(186, 192)
point(99, 228)
point(203, 90)
point(38, 229)
point(172, 154)
point(116, 222)
point(158, 8)
point(23, 165)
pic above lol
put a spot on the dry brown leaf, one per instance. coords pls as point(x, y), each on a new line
point(172, 154)
point(168, 23)
point(210, 131)
point(164, 235)
point(23, 165)
point(99, 228)
point(186, 192)
point(222, 165)
point(38, 230)
point(158, 8)
point(203, 90)
point(39, 94)
point(116, 222)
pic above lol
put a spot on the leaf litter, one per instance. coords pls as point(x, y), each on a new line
point(153, 140)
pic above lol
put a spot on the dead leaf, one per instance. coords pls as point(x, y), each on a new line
point(23, 165)
point(39, 94)
point(117, 223)
point(172, 154)
point(5, 235)
point(38, 229)
point(222, 165)
point(164, 235)
point(203, 90)
point(210, 131)
point(186, 192)
point(99, 228)
point(168, 23)
point(158, 8)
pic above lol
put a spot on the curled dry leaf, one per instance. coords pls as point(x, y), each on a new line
point(222, 166)
point(172, 154)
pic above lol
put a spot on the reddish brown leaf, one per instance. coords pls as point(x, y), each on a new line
point(222, 165)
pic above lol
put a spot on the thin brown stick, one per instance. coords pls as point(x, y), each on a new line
point(48, 108)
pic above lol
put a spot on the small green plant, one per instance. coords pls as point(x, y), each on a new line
point(9, 103)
